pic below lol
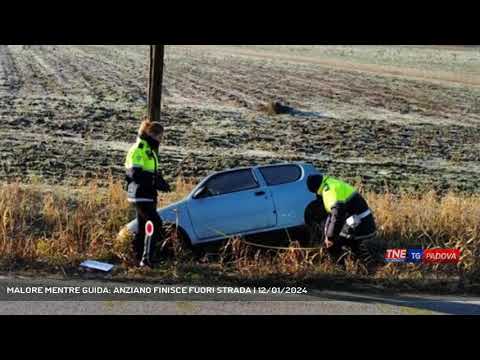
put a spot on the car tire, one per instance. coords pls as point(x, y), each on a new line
point(186, 243)
point(315, 217)
point(315, 233)
point(182, 238)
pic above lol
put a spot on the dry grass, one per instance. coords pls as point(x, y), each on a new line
point(54, 228)
point(50, 226)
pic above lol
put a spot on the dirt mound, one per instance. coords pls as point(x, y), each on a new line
point(275, 108)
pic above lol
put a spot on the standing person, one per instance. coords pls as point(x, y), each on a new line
point(143, 182)
point(348, 219)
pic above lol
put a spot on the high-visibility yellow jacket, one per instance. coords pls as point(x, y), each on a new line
point(334, 191)
point(141, 166)
point(341, 201)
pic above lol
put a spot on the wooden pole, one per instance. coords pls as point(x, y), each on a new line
point(155, 82)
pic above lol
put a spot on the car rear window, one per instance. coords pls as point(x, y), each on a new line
point(231, 182)
point(282, 174)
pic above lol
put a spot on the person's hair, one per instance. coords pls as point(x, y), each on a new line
point(150, 128)
point(314, 182)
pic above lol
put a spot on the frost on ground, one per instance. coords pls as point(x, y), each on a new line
point(71, 111)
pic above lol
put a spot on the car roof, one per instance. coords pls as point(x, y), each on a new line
point(281, 164)
point(259, 167)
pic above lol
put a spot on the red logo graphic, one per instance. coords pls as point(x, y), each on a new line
point(396, 255)
point(149, 228)
point(441, 256)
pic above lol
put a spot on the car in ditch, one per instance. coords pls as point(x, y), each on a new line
point(241, 202)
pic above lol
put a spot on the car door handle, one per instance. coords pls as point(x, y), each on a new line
point(260, 193)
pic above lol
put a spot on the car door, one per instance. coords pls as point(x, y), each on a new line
point(232, 203)
point(288, 187)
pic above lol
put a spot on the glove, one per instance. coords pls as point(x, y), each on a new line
point(162, 185)
point(328, 243)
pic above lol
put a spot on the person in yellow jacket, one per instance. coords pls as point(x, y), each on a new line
point(143, 181)
point(348, 218)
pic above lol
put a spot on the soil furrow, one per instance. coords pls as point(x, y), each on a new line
point(78, 107)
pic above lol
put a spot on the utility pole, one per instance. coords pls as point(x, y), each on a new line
point(155, 82)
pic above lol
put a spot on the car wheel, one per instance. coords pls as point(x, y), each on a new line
point(315, 233)
point(185, 243)
point(181, 238)
point(315, 217)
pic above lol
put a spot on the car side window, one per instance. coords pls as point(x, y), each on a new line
point(231, 182)
point(282, 174)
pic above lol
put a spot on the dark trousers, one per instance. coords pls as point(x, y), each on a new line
point(142, 248)
point(316, 220)
point(337, 249)
point(356, 242)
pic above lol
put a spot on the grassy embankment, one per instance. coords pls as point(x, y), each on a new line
point(54, 229)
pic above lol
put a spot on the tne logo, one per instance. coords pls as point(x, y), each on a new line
point(430, 256)
point(396, 255)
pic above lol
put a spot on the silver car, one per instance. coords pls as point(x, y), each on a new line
point(242, 202)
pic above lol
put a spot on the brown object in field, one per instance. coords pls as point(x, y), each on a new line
point(275, 108)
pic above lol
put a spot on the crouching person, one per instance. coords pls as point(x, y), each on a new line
point(143, 182)
point(345, 216)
